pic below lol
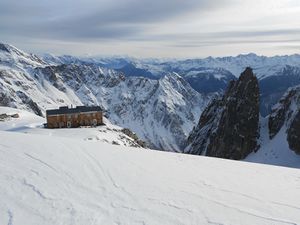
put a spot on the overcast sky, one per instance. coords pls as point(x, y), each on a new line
point(152, 28)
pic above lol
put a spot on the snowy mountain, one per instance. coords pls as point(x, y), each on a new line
point(262, 66)
point(209, 75)
point(208, 80)
point(162, 112)
point(275, 74)
point(13, 58)
point(54, 179)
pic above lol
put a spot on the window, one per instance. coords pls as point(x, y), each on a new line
point(94, 122)
point(61, 124)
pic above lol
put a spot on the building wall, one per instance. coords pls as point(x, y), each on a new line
point(75, 120)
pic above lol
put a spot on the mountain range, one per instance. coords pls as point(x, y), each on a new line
point(162, 112)
point(208, 75)
point(160, 100)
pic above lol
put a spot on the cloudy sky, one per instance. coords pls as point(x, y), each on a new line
point(152, 28)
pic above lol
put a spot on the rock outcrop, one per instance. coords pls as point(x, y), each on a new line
point(286, 115)
point(229, 126)
point(281, 112)
point(293, 134)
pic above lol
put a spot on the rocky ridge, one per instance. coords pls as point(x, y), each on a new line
point(229, 126)
point(286, 115)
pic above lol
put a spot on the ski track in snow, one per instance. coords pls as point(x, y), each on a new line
point(117, 198)
point(35, 189)
point(242, 210)
point(41, 161)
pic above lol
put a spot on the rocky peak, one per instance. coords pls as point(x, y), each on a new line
point(3, 47)
point(228, 127)
point(12, 56)
point(11, 49)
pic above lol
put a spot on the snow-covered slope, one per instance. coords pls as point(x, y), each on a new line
point(274, 151)
point(54, 180)
point(30, 123)
point(10, 56)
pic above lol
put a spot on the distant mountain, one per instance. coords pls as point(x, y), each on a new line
point(130, 70)
point(211, 75)
point(274, 86)
point(208, 80)
point(262, 66)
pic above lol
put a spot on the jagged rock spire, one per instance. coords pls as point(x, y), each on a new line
point(229, 126)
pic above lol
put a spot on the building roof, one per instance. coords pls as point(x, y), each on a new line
point(78, 109)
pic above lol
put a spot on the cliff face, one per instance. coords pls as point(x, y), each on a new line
point(229, 126)
point(286, 115)
point(281, 112)
point(293, 134)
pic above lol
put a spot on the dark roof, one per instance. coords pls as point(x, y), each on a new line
point(78, 109)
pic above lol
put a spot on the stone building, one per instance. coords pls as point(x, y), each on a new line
point(65, 117)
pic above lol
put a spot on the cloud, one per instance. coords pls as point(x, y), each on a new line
point(144, 27)
point(91, 19)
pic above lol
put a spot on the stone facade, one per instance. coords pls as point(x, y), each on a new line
point(65, 117)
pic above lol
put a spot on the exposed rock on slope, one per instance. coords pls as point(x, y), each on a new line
point(281, 112)
point(286, 115)
point(274, 86)
point(229, 126)
point(293, 134)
